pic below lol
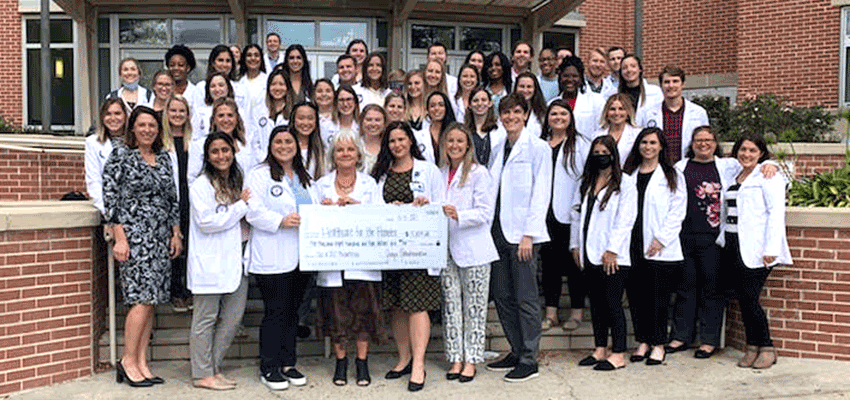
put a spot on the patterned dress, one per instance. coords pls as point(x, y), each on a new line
point(408, 290)
point(143, 199)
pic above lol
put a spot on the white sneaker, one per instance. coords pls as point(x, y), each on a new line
point(274, 380)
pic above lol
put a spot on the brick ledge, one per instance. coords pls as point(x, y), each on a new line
point(31, 215)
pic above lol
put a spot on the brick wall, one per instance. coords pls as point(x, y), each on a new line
point(698, 36)
point(45, 307)
point(807, 304)
point(811, 164)
point(608, 24)
point(11, 64)
point(39, 176)
point(789, 48)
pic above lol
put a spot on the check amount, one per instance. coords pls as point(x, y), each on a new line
point(372, 237)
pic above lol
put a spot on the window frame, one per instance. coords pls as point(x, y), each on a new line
point(844, 42)
point(74, 46)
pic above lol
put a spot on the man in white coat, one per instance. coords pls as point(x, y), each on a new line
point(522, 178)
point(273, 54)
point(676, 116)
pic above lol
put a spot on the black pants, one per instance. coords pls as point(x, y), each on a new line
point(606, 305)
point(556, 260)
point(649, 289)
point(282, 295)
point(746, 284)
point(178, 278)
point(700, 296)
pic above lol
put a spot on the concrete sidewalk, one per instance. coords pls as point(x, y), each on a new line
point(680, 377)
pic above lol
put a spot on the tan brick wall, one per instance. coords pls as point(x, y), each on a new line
point(45, 307)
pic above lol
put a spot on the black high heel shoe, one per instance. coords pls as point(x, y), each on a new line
point(341, 372)
point(670, 349)
point(121, 376)
point(415, 387)
point(398, 374)
point(363, 377)
point(640, 357)
point(156, 380)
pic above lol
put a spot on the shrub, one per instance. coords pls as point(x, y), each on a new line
point(827, 189)
point(771, 116)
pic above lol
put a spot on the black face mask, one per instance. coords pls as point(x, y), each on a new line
point(601, 161)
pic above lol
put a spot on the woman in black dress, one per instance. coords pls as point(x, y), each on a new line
point(141, 201)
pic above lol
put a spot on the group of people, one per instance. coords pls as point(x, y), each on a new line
point(616, 183)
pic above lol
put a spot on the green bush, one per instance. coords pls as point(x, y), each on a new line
point(827, 189)
point(771, 116)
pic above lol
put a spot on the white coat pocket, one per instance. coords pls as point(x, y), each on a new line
point(204, 272)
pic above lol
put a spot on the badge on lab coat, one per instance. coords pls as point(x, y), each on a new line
point(221, 208)
point(263, 122)
point(417, 187)
point(276, 190)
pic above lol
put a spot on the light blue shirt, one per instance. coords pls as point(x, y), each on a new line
point(549, 87)
point(302, 196)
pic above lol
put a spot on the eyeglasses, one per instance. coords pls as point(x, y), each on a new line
point(704, 141)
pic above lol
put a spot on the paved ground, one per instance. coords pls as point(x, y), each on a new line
point(681, 377)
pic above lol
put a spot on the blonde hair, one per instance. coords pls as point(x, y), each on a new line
point(408, 101)
point(167, 138)
point(627, 104)
point(441, 87)
point(468, 158)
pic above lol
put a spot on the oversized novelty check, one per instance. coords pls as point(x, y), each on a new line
point(369, 237)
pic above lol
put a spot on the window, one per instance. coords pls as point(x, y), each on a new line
point(560, 40)
point(293, 32)
point(423, 35)
point(142, 31)
point(196, 31)
point(844, 65)
point(252, 32)
point(63, 95)
point(484, 39)
point(338, 34)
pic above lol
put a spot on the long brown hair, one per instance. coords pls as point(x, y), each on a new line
point(591, 173)
point(490, 122)
point(102, 134)
point(569, 146)
point(297, 162)
point(239, 130)
point(634, 159)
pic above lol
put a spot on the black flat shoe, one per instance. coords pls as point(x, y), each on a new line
point(588, 361)
point(465, 379)
point(670, 349)
point(341, 372)
point(121, 376)
point(702, 354)
point(452, 376)
point(639, 357)
point(606, 365)
point(415, 387)
point(652, 361)
point(398, 374)
point(362, 372)
point(156, 380)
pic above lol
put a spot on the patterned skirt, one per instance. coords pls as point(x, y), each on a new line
point(352, 312)
point(411, 291)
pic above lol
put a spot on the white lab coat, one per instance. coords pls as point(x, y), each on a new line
point(566, 180)
point(663, 213)
point(96, 155)
point(470, 241)
point(201, 115)
point(587, 112)
point(372, 96)
point(627, 140)
point(652, 97)
point(609, 229)
point(245, 157)
point(695, 116)
point(525, 185)
point(214, 263)
point(328, 129)
point(761, 216)
point(533, 124)
point(191, 95)
point(451, 85)
point(458, 108)
point(366, 192)
point(280, 59)
point(260, 127)
point(256, 92)
point(271, 249)
point(423, 141)
point(427, 182)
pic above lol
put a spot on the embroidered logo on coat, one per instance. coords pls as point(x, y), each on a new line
point(276, 190)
